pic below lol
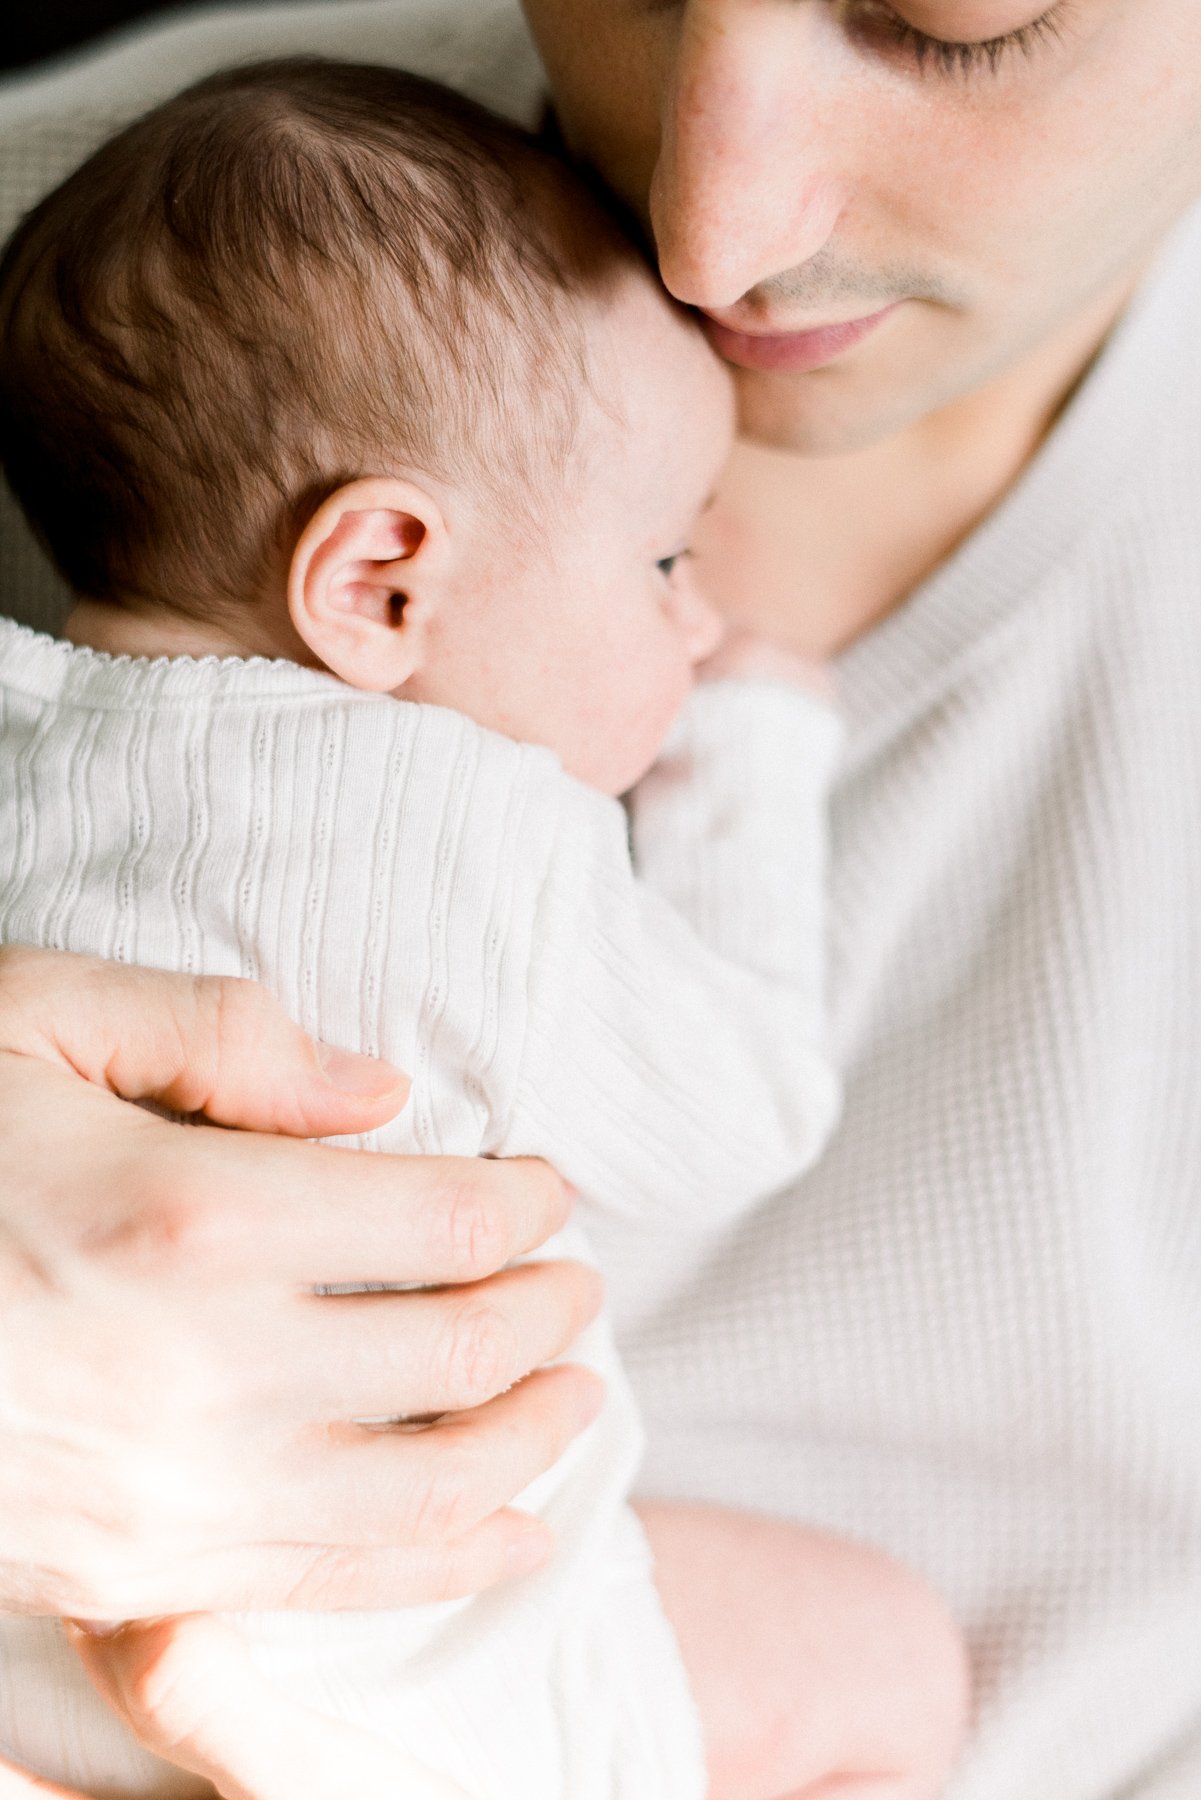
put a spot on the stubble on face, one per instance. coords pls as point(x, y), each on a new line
point(1006, 217)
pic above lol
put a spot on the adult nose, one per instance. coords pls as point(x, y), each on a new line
point(745, 186)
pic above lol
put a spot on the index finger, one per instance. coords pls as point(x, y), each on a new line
point(197, 1044)
point(317, 1215)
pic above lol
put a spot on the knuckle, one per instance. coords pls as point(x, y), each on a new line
point(475, 1240)
point(228, 1014)
point(145, 1241)
point(480, 1358)
point(328, 1580)
point(175, 1223)
point(443, 1510)
point(233, 1005)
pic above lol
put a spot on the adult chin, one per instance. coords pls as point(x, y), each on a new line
point(870, 395)
point(819, 414)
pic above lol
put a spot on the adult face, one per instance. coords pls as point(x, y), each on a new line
point(982, 173)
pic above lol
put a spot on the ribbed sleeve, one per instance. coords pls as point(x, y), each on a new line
point(412, 885)
point(675, 1066)
point(971, 1333)
point(732, 828)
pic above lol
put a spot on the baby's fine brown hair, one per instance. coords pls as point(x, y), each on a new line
point(291, 275)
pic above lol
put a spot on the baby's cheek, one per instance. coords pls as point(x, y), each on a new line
point(665, 699)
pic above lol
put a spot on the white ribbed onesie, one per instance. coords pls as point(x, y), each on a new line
point(410, 884)
point(973, 1335)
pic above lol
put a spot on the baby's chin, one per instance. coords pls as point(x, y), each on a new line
point(622, 767)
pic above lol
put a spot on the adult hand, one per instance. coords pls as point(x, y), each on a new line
point(177, 1406)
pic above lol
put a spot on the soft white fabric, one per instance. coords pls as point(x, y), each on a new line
point(973, 1334)
point(412, 885)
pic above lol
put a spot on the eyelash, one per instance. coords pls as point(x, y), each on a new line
point(969, 59)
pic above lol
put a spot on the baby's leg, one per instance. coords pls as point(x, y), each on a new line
point(822, 1670)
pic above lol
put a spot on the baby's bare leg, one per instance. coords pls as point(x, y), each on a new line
point(822, 1670)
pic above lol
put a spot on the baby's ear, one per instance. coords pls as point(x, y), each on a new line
point(366, 577)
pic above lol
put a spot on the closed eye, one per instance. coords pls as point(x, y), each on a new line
point(948, 57)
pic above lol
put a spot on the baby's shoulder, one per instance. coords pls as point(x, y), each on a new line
point(451, 792)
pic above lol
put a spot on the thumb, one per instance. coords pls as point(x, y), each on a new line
point(210, 1044)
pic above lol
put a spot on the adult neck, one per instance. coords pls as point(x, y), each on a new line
point(813, 551)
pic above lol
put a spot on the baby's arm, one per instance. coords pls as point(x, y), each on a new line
point(675, 1064)
point(731, 825)
point(821, 1669)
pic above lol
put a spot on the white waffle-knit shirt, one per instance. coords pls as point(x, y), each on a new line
point(412, 885)
point(973, 1335)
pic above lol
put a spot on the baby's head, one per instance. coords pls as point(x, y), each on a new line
point(322, 361)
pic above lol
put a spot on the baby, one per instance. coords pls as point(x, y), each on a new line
point(372, 449)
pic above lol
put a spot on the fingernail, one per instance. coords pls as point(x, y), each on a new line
point(366, 1077)
point(97, 1628)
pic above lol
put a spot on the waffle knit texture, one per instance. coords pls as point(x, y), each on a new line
point(972, 1335)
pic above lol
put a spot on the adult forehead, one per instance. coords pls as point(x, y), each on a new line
point(1037, 48)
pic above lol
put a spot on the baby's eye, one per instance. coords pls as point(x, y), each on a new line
point(666, 564)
